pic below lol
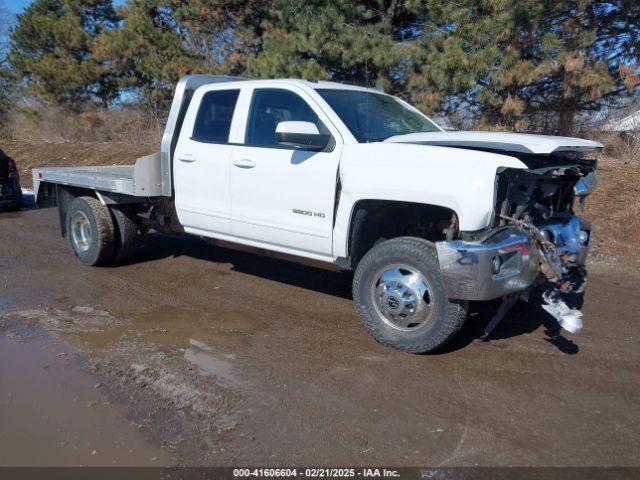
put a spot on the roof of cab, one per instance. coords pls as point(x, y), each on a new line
point(320, 84)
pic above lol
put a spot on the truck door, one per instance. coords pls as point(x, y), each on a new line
point(283, 195)
point(201, 163)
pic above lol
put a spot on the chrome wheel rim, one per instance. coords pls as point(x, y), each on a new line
point(403, 298)
point(81, 231)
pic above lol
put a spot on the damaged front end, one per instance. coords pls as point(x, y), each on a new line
point(535, 239)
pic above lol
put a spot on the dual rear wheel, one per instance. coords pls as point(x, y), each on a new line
point(100, 235)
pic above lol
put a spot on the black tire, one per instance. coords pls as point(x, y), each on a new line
point(18, 193)
point(15, 206)
point(97, 246)
point(445, 316)
point(20, 200)
point(126, 234)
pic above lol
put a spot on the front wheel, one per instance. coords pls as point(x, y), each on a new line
point(400, 297)
point(91, 231)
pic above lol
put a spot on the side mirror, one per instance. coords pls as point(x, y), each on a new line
point(301, 135)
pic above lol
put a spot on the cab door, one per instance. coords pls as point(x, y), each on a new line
point(201, 163)
point(282, 195)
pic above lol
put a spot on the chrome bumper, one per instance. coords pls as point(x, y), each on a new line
point(504, 263)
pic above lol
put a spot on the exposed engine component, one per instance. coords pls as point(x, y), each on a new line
point(544, 193)
point(540, 201)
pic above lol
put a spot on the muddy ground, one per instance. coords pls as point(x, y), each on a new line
point(201, 355)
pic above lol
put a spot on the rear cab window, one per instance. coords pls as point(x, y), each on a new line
point(215, 113)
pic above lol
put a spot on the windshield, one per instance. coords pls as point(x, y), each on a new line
point(372, 117)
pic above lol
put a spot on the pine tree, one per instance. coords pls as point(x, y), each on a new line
point(6, 76)
point(530, 63)
point(148, 51)
point(52, 51)
point(224, 34)
point(346, 41)
point(526, 64)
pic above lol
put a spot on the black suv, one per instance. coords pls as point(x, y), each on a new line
point(10, 191)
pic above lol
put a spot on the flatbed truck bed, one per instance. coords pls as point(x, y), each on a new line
point(139, 180)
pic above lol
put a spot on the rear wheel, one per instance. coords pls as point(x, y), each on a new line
point(126, 233)
point(90, 231)
point(400, 296)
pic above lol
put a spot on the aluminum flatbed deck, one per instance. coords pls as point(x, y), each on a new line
point(140, 180)
point(117, 178)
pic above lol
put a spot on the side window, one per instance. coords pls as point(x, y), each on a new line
point(213, 121)
point(270, 106)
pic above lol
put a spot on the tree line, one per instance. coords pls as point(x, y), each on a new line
point(527, 64)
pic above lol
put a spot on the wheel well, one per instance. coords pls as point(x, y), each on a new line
point(376, 220)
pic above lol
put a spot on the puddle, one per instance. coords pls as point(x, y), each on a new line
point(175, 327)
point(100, 339)
point(210, 363)
point(79, 319)
point(53, 414)
point(4, 301)
point(168, 383)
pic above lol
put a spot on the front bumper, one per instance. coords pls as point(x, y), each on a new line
point(503, 263)
point(509, 259)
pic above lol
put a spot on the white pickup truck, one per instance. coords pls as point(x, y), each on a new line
point(429, 220)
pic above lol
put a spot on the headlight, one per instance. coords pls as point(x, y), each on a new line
point(585, 185)
point(583, 237)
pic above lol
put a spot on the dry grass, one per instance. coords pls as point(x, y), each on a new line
point(614, 208)
point(624, 147)
point(43, 123)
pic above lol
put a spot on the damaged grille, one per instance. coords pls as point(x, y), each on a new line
point(541, 194)
point(540, 201)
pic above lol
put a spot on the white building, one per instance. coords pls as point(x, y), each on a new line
point(626, 124)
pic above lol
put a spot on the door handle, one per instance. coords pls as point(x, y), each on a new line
point(187, 157)
point(244, 163)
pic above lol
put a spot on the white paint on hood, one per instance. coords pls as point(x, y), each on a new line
point(510, 142)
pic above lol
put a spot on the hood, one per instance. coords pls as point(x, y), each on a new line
point(509, 142)
point(461, 180)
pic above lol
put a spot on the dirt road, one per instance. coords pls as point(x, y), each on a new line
point(200, 355)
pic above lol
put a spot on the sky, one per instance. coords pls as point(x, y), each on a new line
point(17, 6)
point(14, 6)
